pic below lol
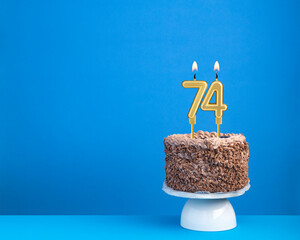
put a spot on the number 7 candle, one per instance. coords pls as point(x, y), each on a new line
point(201, 85)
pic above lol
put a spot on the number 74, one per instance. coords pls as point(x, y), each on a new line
point(218, 107)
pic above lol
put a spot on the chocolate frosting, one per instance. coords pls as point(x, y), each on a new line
point(206, 163)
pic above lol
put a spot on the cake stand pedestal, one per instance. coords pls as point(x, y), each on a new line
point(207, 211)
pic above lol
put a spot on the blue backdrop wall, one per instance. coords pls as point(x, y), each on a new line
point(89, 89)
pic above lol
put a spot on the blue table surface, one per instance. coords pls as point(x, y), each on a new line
point(141, 227)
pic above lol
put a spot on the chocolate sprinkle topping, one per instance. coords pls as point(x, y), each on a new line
point(206, 163)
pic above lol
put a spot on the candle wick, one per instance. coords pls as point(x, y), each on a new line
point(216, 76)
point(195, 76)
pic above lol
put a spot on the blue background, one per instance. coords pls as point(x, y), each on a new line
point(89, 89)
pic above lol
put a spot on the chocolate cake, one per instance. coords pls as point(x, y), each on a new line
point(206, 163)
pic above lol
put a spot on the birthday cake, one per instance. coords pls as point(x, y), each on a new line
point(206, 163)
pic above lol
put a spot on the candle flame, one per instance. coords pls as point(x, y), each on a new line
point(194, 67)
point(217, 67)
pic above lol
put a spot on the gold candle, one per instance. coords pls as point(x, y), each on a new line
point(215, 87)
point(218, 106)
point(201, 85)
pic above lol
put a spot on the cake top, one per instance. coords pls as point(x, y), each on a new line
point(204, 139)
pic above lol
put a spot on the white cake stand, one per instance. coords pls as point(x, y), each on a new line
point(207, 211)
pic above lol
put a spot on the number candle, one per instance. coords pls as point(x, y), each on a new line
point(219, 106)
point(201, 85)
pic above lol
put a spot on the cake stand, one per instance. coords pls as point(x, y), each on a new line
point(207, 211)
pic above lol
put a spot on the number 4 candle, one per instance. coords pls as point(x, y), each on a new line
point(219, 106)
point(216, 87)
